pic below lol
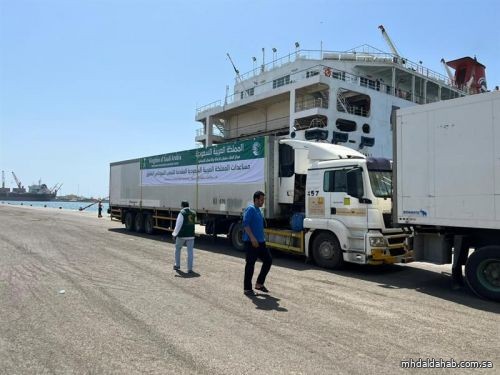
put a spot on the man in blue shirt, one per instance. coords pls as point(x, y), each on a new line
point(255, 245)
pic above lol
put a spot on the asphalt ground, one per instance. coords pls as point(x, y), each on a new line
point(80, 295)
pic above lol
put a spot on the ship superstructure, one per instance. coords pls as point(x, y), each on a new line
point(347, 98)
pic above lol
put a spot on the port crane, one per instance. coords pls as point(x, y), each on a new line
point(56, 188)
point(18, 183)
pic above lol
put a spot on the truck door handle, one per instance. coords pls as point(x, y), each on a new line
point(333, 210)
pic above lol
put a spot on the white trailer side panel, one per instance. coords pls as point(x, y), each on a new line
point(125, 183)
point(165, 186)
point(496, 155)
point(448, 163)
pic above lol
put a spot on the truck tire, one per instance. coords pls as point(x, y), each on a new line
point(237, 236)
point(482, 272)
point(129, 221)
point(139, 222)
point(327, 252)
point(149, 224)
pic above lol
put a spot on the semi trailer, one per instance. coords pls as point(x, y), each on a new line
point(324, 201)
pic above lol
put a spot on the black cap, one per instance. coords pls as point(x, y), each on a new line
point(184, 204)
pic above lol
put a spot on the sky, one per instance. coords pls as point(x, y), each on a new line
point(84, 83)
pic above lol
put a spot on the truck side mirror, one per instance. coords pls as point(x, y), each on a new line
point(355, 183)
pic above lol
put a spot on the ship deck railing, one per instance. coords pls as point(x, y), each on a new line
point(363, 53)
point(336, 74)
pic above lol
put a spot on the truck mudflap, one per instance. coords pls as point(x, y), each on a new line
point(397, 251)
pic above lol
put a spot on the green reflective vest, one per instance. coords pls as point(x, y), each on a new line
point(187, 229)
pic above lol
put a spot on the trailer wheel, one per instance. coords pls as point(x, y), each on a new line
point(149, 224)
point(129, 221)
point(139, 222)
point(482, 272)
point(237, 237)
point(327, 252)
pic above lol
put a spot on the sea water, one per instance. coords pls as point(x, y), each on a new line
point(75, 206)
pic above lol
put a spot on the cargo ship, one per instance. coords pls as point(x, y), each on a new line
point(36, 192)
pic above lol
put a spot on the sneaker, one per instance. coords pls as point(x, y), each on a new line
point(190, 271)
point(176, 268)
point(249, 292)
point(262, 288)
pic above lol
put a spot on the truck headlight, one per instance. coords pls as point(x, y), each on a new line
point(377, 242)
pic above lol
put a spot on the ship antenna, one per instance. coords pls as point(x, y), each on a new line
point(263, 67)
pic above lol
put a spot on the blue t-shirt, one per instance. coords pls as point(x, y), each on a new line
point(252, 217)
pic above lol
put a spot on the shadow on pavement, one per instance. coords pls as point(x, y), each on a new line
point(266, 302)
point(433, 283)
point(186, 275)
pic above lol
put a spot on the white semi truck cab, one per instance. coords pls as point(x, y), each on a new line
point(348, 206)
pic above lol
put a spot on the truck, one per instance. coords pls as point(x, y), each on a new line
point(324, 201)
point(447, 186)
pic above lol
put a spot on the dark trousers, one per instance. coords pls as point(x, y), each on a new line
point(263, 253)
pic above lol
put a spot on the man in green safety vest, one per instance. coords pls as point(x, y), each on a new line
point(184, 234)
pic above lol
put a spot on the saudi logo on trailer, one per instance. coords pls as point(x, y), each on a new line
point(257, 149)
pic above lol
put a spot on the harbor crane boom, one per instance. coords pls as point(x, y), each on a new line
point(448, 72)
point(232, 63)
point(57, 188)
point(234, 67)
point(19, 185)
point(238, 77)
point(389, 41)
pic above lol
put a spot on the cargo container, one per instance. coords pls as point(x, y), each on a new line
point(447, 165)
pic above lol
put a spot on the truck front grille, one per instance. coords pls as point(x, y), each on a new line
point(397, 251)
point(396, 240)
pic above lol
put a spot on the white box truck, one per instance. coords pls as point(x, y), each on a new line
point(324, 201)
point(447, 165)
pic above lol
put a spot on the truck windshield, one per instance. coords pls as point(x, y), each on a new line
point(381, 182)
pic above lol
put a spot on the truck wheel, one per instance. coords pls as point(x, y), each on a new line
point(129, 221)
point(237, 237)
point(327, 252)
point(482, 272)
point(149, 224)
point(139, 222)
